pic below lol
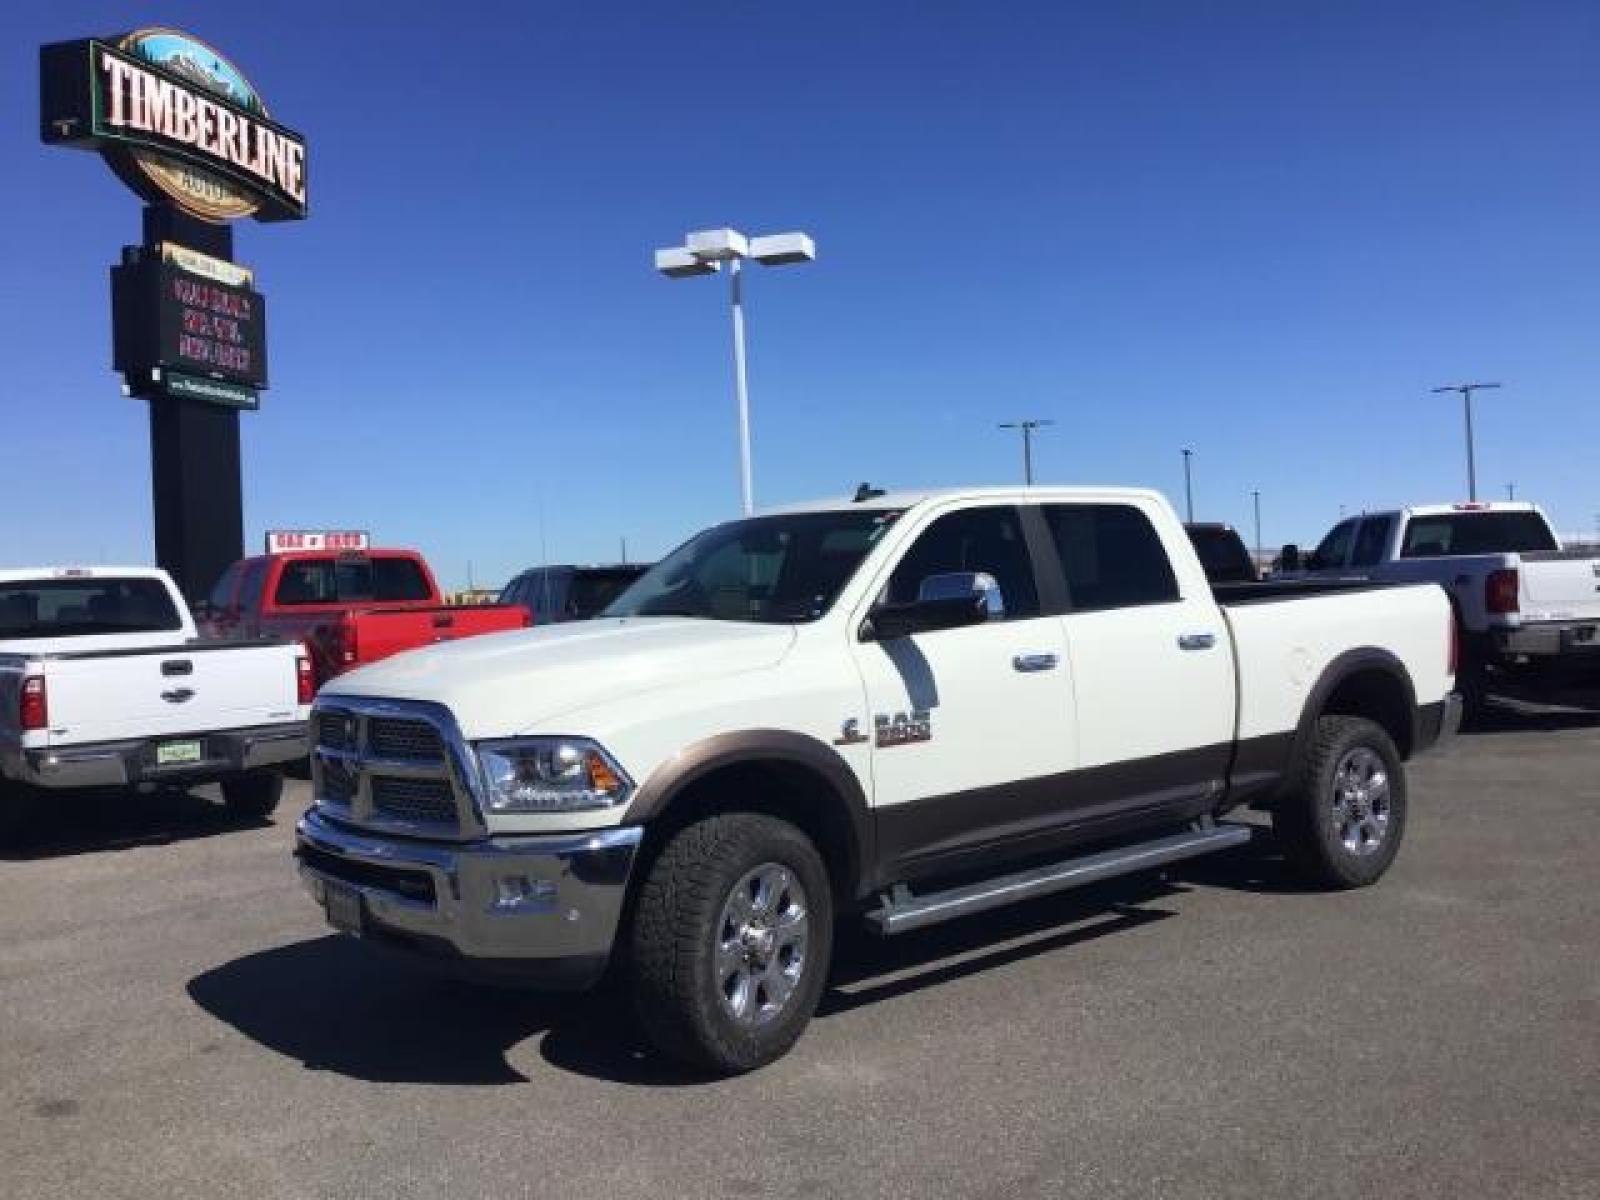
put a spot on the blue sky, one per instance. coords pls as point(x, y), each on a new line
point(1260, 230)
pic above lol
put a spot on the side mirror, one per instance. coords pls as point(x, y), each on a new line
point(1290, 560)
point(947, 601)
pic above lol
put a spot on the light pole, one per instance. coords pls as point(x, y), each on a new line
point(703, 253)
point(1256, 497)
point(1188, 485)
point(1466, 390)
point(1027, 428)
point(1511, 491)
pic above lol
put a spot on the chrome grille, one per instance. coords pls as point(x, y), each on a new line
point(432, 801)
point(398, 764)
point(401, 737)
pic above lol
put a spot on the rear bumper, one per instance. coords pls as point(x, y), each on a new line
point(536, 910)
point(1575, 640)
point(225, 752)
point(1438, 723)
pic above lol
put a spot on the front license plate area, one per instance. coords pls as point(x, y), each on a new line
point(344, 907)
point(173, 754)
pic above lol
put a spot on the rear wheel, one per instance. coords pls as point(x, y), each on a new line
point(253, 795)
point(1341, 823)
point(730, 942)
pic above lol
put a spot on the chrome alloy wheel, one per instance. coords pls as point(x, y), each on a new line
point(762, 940)
point(1361, 806)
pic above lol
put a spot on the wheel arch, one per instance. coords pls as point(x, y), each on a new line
point(774, 771)
point(1368, 682)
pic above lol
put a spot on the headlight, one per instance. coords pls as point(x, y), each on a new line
point(545, 775)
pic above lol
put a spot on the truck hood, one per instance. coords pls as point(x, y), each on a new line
point(502, 684)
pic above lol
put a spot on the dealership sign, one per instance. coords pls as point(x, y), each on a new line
point(181, 316)
point(283, 541)
point(177, 121)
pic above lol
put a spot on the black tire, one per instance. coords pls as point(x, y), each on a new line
point(684, 990)
point(253, 795)
point(1337, 826)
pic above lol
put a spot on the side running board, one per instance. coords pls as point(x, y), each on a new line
point(901, 910)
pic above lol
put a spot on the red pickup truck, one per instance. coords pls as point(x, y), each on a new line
point(348, 608)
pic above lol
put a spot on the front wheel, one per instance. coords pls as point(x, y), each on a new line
point(253, 795)
point(730, 942)
point(1341, 823)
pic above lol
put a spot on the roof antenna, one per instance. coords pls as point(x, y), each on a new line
point(865, 492)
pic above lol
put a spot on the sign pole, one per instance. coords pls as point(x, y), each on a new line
point(196, 483)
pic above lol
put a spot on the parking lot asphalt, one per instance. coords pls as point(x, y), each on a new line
point(176, 1021)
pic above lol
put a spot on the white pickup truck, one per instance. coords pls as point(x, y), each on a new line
point(1529, 610)
point(904, 707)
point(103, 682)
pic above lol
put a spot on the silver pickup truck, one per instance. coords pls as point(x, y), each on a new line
point(1527, 609)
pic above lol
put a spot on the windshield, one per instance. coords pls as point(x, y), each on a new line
point(52, 608)
point(1477, 533)
point(781, 569)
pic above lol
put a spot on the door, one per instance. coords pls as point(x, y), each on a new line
point(972, 727)
point(1151, 665)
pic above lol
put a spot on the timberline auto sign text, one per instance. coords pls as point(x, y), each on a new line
point(142, 101)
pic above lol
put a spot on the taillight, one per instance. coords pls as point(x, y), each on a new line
point(1500, 591)
point(33, 708)
point(348, 647)
point(305, 684)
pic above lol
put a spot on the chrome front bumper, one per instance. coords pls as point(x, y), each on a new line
point(226, 752)
point(543, 910)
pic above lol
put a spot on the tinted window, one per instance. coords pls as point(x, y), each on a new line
point(1477, 533)
point(350, 580)
point(1112, 556)
point(222, 595)
point(784, 568)
point(1370, 541)
point(397, 579)
point(307, 581)
point(47, 608)
point(1335, 548)
point(972, 539)
point(255, 575)
point(591, 591)
point(1222, 554)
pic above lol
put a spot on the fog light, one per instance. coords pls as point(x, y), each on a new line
point(514, 892)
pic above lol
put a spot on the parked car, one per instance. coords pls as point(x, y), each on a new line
point(348, 608)
point(1529, 611)
point(104, 683)
point(569, 593)
point(908, 707)
point(1223, 555)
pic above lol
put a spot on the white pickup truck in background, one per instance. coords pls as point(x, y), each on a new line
point(1529, 611)
point(104, 683)
point(910, 708)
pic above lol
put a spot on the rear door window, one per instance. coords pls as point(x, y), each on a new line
point(1371, 540)
point(1335, 548)
point(1112, 556)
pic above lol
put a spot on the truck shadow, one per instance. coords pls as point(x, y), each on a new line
point(118, 819)
point(1504, 714)
point(357, 1010)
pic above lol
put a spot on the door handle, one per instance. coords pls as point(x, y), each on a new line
point(1035, 662)
point(1196, 641)
point(178, 695)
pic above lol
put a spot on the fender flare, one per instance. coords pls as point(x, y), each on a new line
point(756, 747)
point(1343, 666)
